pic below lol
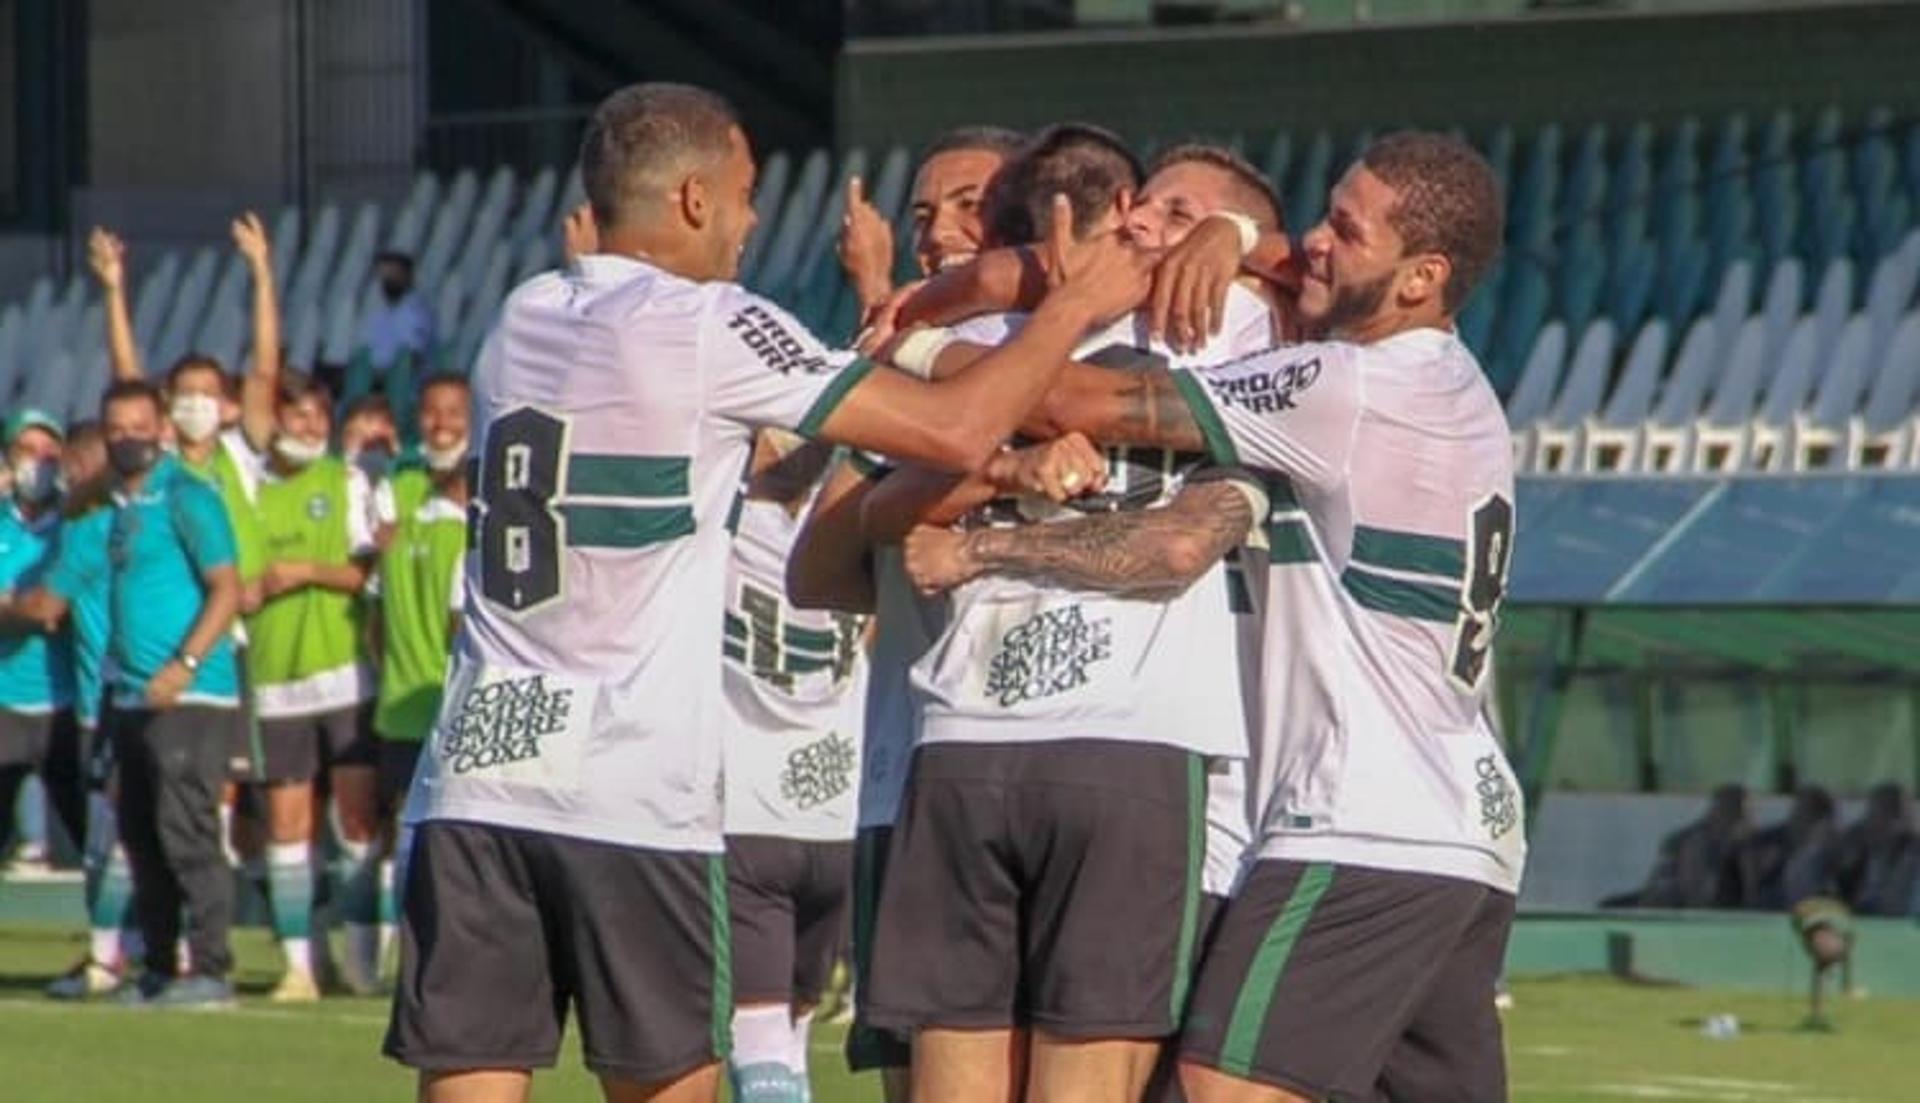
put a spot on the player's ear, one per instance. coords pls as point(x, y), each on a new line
point(696, 201)
point(1425, 279)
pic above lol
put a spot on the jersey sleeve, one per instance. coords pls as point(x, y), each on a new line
point(764, 369)
point(386, 511)
point(79, 560)
point(1292, 410)
point(201, 522)
point(456, 589)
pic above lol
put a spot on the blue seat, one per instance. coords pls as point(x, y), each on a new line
point(1306, 194)
point(1581, 278)
point(1522, 312)
point(1630, 194)
point(1682, 276)
point(1475, 321)
point(1630, 286)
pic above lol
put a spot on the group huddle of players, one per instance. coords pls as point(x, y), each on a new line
point(1103, 640)
point(1108, 633)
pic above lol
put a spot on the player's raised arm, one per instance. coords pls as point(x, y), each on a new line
point(831, 566)
point(107, 256)
point(259, 387)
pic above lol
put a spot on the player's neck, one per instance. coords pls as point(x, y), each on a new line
point(197, 452)
point(452, 485)
point(680, 254)
point(1391, 323)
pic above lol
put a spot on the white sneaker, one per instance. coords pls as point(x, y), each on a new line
point(85, 981)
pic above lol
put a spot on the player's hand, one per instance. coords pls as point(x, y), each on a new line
point(1105, 275)
point(250, 237)
point(866, 247)
point(1058, 469)
point(285, 577)
point(107, 256)
point(167, 684)
point(579, 233)
point(251, 596)
point(937, 559)
point(882, 324)
point(1189, 303)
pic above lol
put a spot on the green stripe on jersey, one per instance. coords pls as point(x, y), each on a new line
point(1417, 600)
point(1289, 542)
point(1190, 898)
point(598, 475)
point(625, 526)
point(1409, 551)
point(1263, 975)
point(843, 381)
point(812, 639)
point(1219, 442)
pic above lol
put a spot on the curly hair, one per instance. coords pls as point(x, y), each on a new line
point(1449, 203)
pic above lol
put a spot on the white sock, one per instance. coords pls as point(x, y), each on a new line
point(760, 1068)
point(797, 1053)
point(104, 946)
point(226, 834)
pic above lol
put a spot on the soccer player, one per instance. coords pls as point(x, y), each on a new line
point(312, 686)
point(81, 557)
point(37, 729)
point(567, 810)
point(174, 694)
point(1046, 702)
point(795, 683)
point(1359, 958)
point(423, 537)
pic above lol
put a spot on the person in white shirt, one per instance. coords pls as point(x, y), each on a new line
point(1359, 958)
point(568, 806)
point(402, 324)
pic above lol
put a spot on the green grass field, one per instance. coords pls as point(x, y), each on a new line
point(1577, 1038)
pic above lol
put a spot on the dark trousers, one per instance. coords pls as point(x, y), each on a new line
point(52, 745)
point(173, 763)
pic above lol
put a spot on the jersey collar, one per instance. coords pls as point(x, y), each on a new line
point(163, 469)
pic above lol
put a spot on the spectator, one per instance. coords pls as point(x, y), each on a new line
point(174, 592)
point(401, 327)
point(369, 439)
point(1792, 860)
point(1878, 858)
point(1698, 865)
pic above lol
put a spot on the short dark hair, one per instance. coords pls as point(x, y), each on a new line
point(1089, 164)
point(373, 402)
point(642, 131)
point(298, 386)
point(984, 139)
point(444, 379)
point(394, 256)
point(125, 390)
point(199, 361)
point(1449, 203)
point(1262, 201)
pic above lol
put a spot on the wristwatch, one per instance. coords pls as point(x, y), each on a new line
point(190, 661)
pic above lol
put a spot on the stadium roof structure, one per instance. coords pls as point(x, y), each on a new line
point(1800, 578)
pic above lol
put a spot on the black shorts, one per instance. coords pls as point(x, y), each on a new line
point(1340, 982)
point(504, 930)
point(397, 759)
point(1053, 885)
point(244, 752)
point(299, 748)
point(787, 900)
point(868, 1046)
point(27, 738)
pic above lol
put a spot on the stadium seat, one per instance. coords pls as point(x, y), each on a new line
point(1609, 440)
point(1833, 302)
point(1719, 440)
point(1664, 440)
point(789, 232)
point(1630, 285)
point(189, 304)
point(1819, 431)
point(1791, 385)
point(1305, 194)
point(769, 194)
point(1882, 434)
point(1784, 298)
point(447, 229)
point(1890, 290)
point(152, 300)
point(1539, 382)
point(1733, 302)
point(303, 329)
point(316, 260)
point(537, 214)
point(286, 247)
point(1556, 438)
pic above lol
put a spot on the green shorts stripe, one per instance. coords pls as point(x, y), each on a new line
point(1263, 976)
point(722, 956)
point(1190, 901)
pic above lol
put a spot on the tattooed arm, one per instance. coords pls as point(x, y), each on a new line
point(1152, 553)
point(1141, 408)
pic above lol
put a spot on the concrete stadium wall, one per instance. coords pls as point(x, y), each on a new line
point(1169, 84)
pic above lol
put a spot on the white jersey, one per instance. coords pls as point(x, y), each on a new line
point(1390, 477)
point(795, 682)
point(614, 409)
point(905, 626)
point(1022, 661)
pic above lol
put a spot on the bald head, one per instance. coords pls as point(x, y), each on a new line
point(643, 140)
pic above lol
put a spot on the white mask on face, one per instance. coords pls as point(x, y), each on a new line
point(35, 481)
point(443, 460)
point(196, 416)
point(298, 452)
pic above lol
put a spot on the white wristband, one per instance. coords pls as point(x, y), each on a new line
point(919, 349)
point(1249, 231)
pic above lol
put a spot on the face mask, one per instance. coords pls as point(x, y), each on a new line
point(442, 460)
point(35, 481)
point(196, 416)
point(373, 461)
point(394, 290)
point(132, 456)
point(298, 452)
